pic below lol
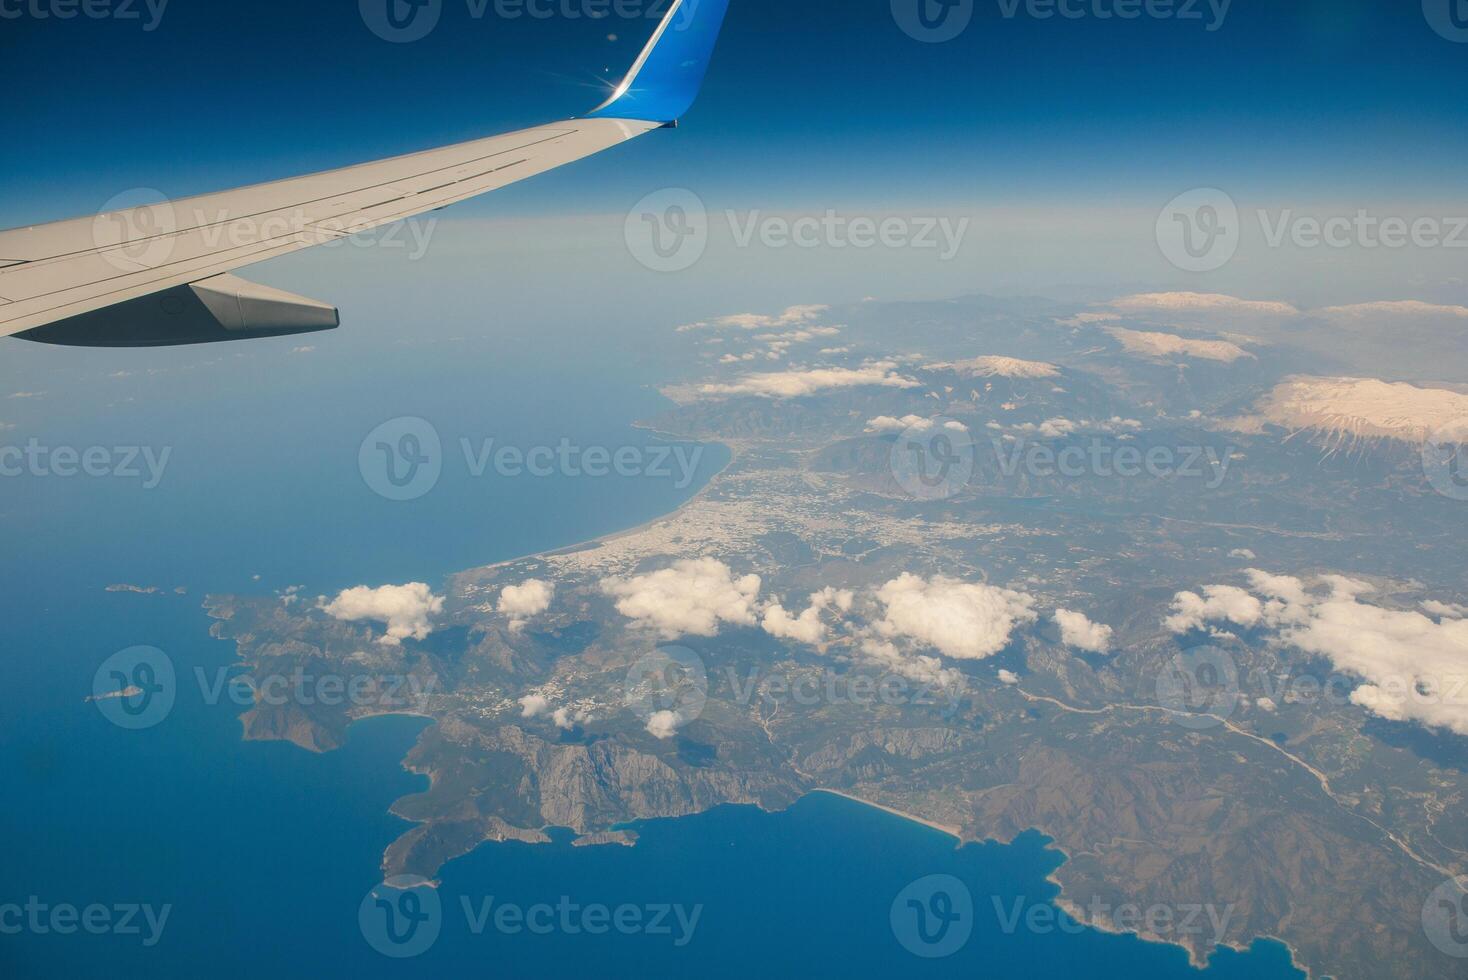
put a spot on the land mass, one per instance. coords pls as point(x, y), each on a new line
point(1313, 820)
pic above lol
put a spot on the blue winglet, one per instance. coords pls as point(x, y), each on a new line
point(666, 77)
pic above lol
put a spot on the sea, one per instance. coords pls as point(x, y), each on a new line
point(211, 856)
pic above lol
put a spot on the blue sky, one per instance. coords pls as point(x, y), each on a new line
point(809, 103)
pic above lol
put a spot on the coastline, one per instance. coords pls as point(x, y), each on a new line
point(954, 832)
point(1197, 959)
point(1200, 960)
point(599, 540)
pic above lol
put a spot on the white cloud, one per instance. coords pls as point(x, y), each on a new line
point(534, 705)
point(567, 719)
point(26, 394)
point(1182, 302)
point(906, 663)
point(1059, 428)
point(808, 627)
point(1077, 630)
point(799, 383)
point(1056, 428)
point(1218, 603)
point(1160, 345)
point(1008, 676)
point(799, 336)
point(1413, 668)
point(1276, 588)
point(664, 724)
point(1448, 610)
point(693, 597)
point(1243, 553)
point(961, 620)
point(886, 423)
point(405, 609)
point(525, 601)
point(792, 316)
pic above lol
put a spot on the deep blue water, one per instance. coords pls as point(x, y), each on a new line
point(264, 851)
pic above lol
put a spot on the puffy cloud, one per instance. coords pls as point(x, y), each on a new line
point(1444, 610)
point(1218, 603)
point(534, 705)
point(961, 620)
point(799, 336)
point(1413, 667)
point(1008, 676)
point(567, 719)
point(1077, 630)
point(799, 383)
point(1059, 428)
point(808, 627)
point(1056, 428)
point(886, 423)
point(792, 316)
point(664, 724)
point(693, 597)
point(1148, 344)
point(805, 628)
point(405, 609)
point(1284, 589)
point(525, 601)
point(999, 367)
point(1183, 302)
point(538, 705)
point(914, 666)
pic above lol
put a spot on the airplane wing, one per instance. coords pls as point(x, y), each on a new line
point(158, 274)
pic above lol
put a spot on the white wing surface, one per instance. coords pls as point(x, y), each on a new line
point(155, 274)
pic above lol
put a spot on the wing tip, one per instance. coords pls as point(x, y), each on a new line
point(666, 78)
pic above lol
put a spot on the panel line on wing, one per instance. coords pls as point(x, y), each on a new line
point(293, 235)
point(556, 135)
